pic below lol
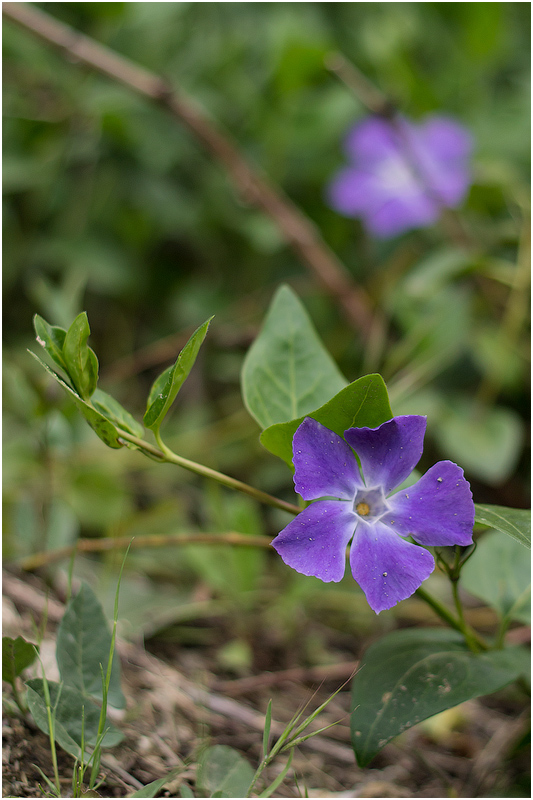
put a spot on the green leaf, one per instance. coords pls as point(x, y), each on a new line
point(486, 445)
point(499, 575)
point(223, 772)
point(515, 522)
point(153, 788)
point(72, 707)
point(411, 675)
point(364, 403)
point(266, 729)
point(51, 338)
point(167, 385)
point(82, 651)
point(80, 360)
point(100, 424)
point(287, 371)
point(114, 412)
point(17, 655)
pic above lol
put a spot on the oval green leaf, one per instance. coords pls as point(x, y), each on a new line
point(515, 522)
point(287, 371)
point(116, 413)
point(80, 360)
point(82, 651)
point(223, 772)
point(71, 707)
point(103, 428)
point(167, 385)
point(411, 675)
point(362, 404)
point(499, 575)
point(17, 654)
point(51, 338)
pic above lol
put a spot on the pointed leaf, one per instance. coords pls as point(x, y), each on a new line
point(72, 707)
point(100, 424)
point(266, 730)
point(223, 772)
point(411, 675)
point(515, 522)
point(51, 338)
point(167, 385)
point(114, 412)
point(364, 403)
point(83, 642)
point(17, 655)
point(287, 372)
point(499, 575)
point(80, 360)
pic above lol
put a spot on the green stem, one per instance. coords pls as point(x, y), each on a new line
point(264, 763)
point(439, 608)
point(165, 454)
point(473, 640)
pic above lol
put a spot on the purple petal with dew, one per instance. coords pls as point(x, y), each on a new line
point(315, 542)
point(390, 452)
point(386, 567)
point(437, 510)
point(324, 465)
point(372, 140)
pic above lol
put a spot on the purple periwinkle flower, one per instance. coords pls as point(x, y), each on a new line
point(350, 502)
point(402, 174)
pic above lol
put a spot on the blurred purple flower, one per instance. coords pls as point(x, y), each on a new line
point(436, 511)
point(402, 175)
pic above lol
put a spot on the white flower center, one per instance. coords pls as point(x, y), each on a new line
point(397, 177)
point(370, 504)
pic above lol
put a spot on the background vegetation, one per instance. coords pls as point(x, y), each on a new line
point(111, 206)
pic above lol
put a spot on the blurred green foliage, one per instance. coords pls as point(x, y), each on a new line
point(111, 206)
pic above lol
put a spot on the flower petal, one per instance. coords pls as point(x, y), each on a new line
point(324, 465)
point(390, 452)
point(372, 140)
point(386, 567)
point(354, 192)
point(315, 542)
point(401, 213)
point(443, 151)
point(437, 510)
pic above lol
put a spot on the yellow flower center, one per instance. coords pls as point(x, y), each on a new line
point(363, 509)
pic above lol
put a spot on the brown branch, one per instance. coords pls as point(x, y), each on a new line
point(298, 675)
point(30, 563)
point(297, 229)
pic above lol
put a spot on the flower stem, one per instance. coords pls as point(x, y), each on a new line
point(472, 639)
point(165, 454)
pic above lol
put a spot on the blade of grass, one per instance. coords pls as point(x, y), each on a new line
point(279, 779)
point(266, 731)
point(106, 681)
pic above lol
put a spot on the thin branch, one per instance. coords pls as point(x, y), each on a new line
point(166, 455)
point(297, 229)
point(30, 563)
point(364, 90)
